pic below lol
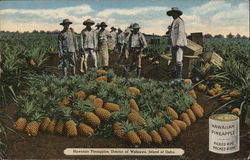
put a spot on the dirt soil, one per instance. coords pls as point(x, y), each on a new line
point(194, 141)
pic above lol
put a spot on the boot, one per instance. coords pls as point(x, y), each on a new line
point(138, 72)
point(178, 71)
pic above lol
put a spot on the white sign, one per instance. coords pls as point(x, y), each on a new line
point(125, 151)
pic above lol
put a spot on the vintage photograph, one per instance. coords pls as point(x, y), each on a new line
point(128, 80)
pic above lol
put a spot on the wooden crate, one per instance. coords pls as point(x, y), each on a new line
point(213, 58)
point(197, 37)
point(192, 48)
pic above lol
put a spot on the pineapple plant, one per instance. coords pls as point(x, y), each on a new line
point(32, 127)
point(27, 109)
point(129, 130)
point(152, 126)
point(117, 130)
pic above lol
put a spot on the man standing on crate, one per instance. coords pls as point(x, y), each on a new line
point(89, 44)
point(68, 47)
point(136, 43)
point(178, 41)
point(104, 37)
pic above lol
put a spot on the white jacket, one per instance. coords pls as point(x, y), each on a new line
point(178, 34)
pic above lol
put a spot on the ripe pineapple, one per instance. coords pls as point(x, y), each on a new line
point(81, 95)
point(144, 136)
point(133, 137)
point(191, 115)
point(92, 119)
point(193, 94)
point(70, 127)
point(171, 130)
point(225, 97)
point(202, 87)
point(176, 127)
point(133, 105)
point(182, 125)
point(135, 117)
point(101, 71)
point(112, 107)
point(172, 113)
point(51, 126)
point(234, 93)
point(27, 109)
point(32, 127)
point(32, 62)
point(101, 79)
point(165, 134)
point(188, 81)
point(236, 111)
point(91, 97)
point(155, 136)
point(185, 118)
point(129, 130)
point(103, 114)
point(134, 90)
point(118, 130)
point(59, 127)
point(85, 129)
point(98, 102)
point(20, 124)
point(197, 111)
point(44, 124)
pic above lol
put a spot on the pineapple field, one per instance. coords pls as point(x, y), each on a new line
point(42, 112)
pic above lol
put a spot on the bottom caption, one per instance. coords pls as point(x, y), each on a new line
point(125, 151)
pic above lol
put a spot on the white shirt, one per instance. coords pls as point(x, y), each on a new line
point(89, 39)
point(178, 33)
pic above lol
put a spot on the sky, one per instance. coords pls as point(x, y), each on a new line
point(207, 16)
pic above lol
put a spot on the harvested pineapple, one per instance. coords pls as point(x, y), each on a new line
point(85, 129)
point(112, 107)
point(20, 124)
point(134, 90)
point(32, 127)
point(70, 127)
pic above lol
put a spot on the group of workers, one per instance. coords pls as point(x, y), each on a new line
point(99, 43)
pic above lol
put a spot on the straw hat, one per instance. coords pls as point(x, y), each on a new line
point(88, 21)
point(174, 10)
point(65, 21)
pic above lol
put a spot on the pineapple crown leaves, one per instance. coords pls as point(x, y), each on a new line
point(63, 113)
point(128, 126)
point(167, 117)
point(36, 116)
point(121, 115)
point(154, 123)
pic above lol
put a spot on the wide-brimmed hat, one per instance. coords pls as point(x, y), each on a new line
point(113, 28)
point(97, 25)
point(135, 26)
point(103, 24)
point(88, 21)
point(65, 21)
point(174, 9)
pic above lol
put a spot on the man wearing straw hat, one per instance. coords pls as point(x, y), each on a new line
point(178, 40)
point(68, 47)
point(89, 44)
point(103, 38)
point(113, 40)
point(120, 45)
point(136, 43)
